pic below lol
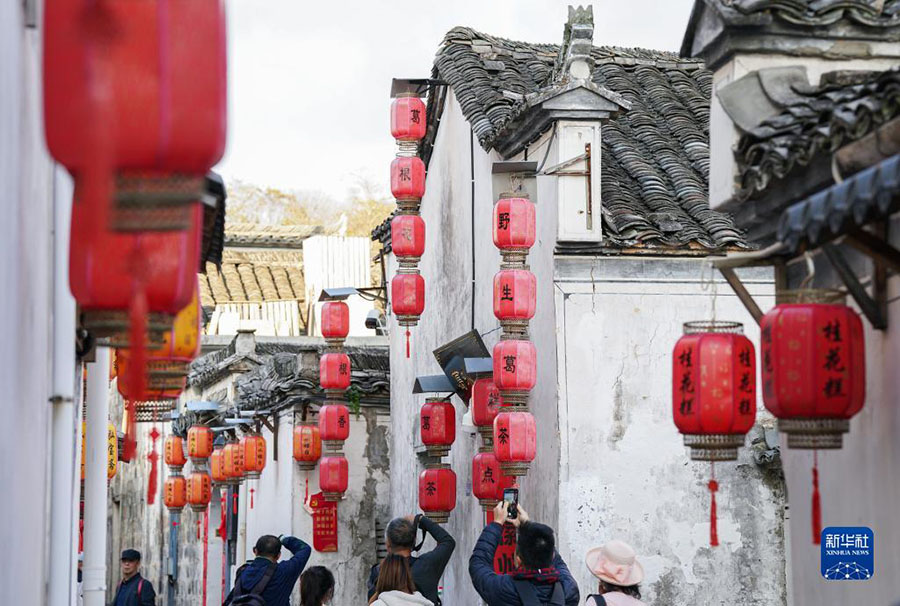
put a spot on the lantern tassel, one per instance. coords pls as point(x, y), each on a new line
point(816, 502)
point(221, 531)
point(129, 444)
point(151, 480)
point(713, 515)
point(234, 501)
point(251, 498)
point(407, 343)
point(199, 521)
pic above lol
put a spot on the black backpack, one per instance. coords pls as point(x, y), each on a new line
point(528, 594)
point(238, 597)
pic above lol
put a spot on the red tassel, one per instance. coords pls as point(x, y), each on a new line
point(129, 444)
point(713, 517)
point(407, 343)
point(199, 521)
point(221, 531)
point(816, 503)
point(153, 457)
point(234, 504)
point(251, 498)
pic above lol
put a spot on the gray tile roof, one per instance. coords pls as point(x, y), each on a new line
point(655, 163)
point(873, 13)
point(844, 108)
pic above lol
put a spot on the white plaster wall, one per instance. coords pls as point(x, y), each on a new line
point(859, 484)
point(624, 470)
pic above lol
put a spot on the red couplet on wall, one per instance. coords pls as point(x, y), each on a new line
point(515, 294)
point(514, 223)
point(335, 319)
point(408, 236)
point(407, 118)
point(515, 365)
point(407, 178)
point(325, 523)
point(334, 371)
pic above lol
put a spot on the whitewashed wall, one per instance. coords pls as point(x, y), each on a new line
point(336, 262)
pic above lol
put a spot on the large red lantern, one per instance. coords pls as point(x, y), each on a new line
point(486, 403)
point(174, 452)
point(234, 462)
point(515, 369)
point(200, 442)
point(335, 321)
point(408, 119)
point(813, 371)
point(217, 466)
point(408, 238)
point(438, 426)
point(515, 441)
point(408, 178)
point(334, 371)
point(488, 480)
point(333, 477)
point(334, 425)
point(437, 493)
point(515, 299)
point(175, 493)
point(307, 446)
point(199, 490)
point(408, 297)
point(514, 227)
point(253, 455)
point(714, 389)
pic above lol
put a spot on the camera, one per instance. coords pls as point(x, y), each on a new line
point(375, 321)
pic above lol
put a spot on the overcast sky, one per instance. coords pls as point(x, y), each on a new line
point(309, 82)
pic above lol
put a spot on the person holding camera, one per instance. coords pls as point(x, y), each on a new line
point(427, 568)
point(541, 576)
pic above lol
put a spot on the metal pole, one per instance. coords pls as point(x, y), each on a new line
point(94, 571)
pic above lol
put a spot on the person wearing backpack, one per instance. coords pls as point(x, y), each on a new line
point(265, 581)
point(541, 577)
point(616, 567)
point(133, 589)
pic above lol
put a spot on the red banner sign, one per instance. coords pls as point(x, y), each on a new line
point(325, 525)
point(505, 556)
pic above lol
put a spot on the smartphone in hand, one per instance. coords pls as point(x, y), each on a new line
point(511, 496)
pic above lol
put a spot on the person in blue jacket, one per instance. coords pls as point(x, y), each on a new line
point(277, 591)
point(541, 576)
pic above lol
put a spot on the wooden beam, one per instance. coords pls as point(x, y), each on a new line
point(878, 249)
point(868, 306)
point(742, 293)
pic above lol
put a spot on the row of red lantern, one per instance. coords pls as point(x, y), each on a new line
point(334, 417)
point(333, 468)
point(437, 483)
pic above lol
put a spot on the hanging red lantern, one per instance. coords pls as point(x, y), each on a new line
point(437, 493)
point(438, 426)
point(234, 462)
point(174, 452)
point(486, 403)
point(714, 389)
point(333, 477)
point(200, 442)
point(217, 466)
point(307, 446)
point(408, 178)
point(334, 371)
point(515, 299)
point(514, 227)
point(175, 493)
point(515, 369)
point(199, 490)
point(515, 441)
point(253, 455)
point(335, 321)
point(408, 300)
point(408, 118)
point(334, 425)
point(408, 238)
point(488, 480)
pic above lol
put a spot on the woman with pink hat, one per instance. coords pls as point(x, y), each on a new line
point(619, 572)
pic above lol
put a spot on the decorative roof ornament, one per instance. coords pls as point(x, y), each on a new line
point(574, 58)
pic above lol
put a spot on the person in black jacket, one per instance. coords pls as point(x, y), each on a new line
point(540, 574)
point(277, 591)
point(400, 539)
point(133, 589)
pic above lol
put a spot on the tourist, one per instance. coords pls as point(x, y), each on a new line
point(133, 589)
point(266, 577)
point(427, 568)
point(541, 575)
point(316, 586)
point(616, 567)
point(395, 586)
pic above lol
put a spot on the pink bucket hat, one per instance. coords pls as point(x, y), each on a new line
point(616, 563)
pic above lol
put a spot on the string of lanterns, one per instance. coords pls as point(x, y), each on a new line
point(334, 418)
point(488, 480)
point(437, 482)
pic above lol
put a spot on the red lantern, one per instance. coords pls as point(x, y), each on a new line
point(486, 403)
point(515, 298)
point(334, 371)
point(488, 480)
point(408, 238)
point(307, 446)
point(515, 369)
point(437, 493)
point(408, 297)
point(234, 462)
point(714, 389)
point(408, 178)
point(514, 225)
point(175, 493)
point(199, 490)
point(333, 472)
point(174, 452)
point(335, 320)
point(438, 426)
point(200, 442)
point(334, 425)
point(253, 455)
point(217, 466)
point(814, 371)
point(515, 441)
point(408, 119)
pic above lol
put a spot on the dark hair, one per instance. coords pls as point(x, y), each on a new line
point(316, 586)
point(535, 545)
point(401, 533)
point(268, 546)
point(629, 590)
point(394, 575)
